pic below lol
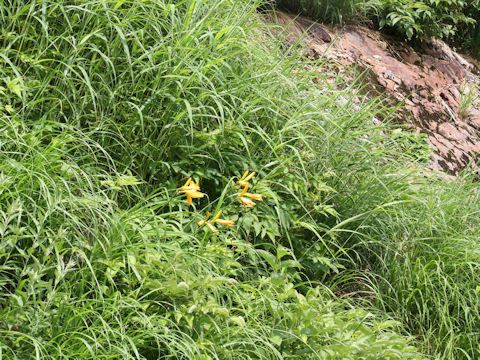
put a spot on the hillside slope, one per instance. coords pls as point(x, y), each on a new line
point(436, 87)
point(172, 186)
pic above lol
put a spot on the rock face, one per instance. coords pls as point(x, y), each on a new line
point(436, 85)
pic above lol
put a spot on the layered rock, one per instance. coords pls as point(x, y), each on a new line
point(431, 81)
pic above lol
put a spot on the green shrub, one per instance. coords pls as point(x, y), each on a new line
point(468, 36)
point(420, 19)
point(455, 20)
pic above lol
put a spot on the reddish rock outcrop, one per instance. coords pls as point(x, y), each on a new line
point(431, 81)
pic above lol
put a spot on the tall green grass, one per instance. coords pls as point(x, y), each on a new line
point(106, 108)
point(409, 237)
point(332, 11)
point(423, 262)
point(90, 269)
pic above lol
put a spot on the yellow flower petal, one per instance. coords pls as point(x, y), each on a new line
point(249, 177)
point(210, 226)
point(217, 216)
point(192, 190)
point(201, 222)
point(245, 189)
point(225, 222)
point(194, 194)
point(190, 187)
point(244, 175)
point(247, 202)
point(258, 197)
point(245, 178)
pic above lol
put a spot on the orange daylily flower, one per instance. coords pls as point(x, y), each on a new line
point(230, 222)
point(244, 197)
point(258, 197)
point(216, 219)
point(246, 178)
point(247, 202)
point(192, 190)
point(210, 226)
point(203, 222)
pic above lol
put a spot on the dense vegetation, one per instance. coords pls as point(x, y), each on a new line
point(454, 20)
point(109, 107)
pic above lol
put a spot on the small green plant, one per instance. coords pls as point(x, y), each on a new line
point(469, 99)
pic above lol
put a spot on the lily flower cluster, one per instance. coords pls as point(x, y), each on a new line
point(245, 197)
point(216, 219)
point(192, 190)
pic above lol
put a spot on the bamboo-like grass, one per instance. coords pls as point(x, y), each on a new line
point(109, 105)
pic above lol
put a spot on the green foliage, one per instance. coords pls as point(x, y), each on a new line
point(469, 99)
point(454, 20)
point(106, 106)
point(419, 19)
point(423, 250)
point(468, 37)
point(83, 278)
point(327, 10)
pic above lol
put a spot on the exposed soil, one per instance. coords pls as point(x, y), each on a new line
point(431, 81)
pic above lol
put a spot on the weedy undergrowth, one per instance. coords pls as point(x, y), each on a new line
point(469, 100)
point(107, 108)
